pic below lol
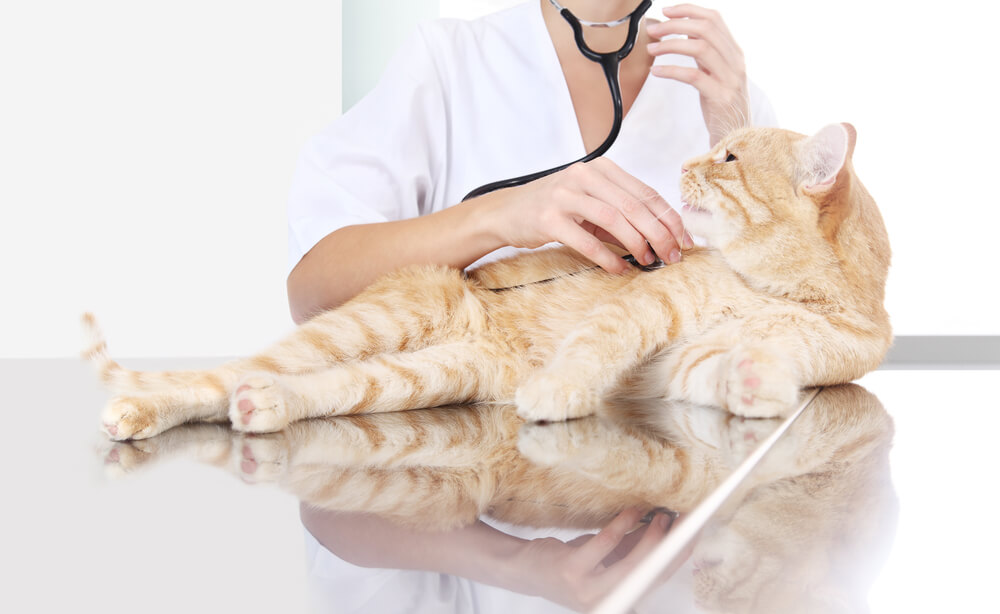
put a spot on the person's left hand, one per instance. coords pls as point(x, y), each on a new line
point(720, 76)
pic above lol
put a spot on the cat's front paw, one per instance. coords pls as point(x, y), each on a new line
point(759, 385)
point(546, 397)
point(259, 405)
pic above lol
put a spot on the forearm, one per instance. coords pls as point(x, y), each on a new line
point(477, 552)
point(349, 259)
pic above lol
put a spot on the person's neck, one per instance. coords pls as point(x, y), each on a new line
point(598, 10)
point(598, 39)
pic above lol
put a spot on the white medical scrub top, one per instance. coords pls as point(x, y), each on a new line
point(465, 103)
point(462, 104)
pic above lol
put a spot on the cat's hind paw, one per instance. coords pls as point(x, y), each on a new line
point(548, 398)
point(259, 405)
point(760, 386)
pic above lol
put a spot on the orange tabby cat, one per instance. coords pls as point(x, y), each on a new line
point(789, 294)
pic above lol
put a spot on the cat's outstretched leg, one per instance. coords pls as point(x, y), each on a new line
point(442, 374)
point(404, 311)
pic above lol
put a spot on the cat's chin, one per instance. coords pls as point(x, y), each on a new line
point(699, 222)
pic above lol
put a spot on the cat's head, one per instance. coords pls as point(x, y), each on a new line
point(777, 203)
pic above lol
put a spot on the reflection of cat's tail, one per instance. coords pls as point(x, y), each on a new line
point(96, 353)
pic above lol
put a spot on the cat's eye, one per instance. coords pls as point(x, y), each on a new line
point(730, 157)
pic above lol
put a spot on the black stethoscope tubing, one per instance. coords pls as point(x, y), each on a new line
point(609, 61)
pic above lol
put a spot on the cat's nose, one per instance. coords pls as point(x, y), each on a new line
point(683, 170)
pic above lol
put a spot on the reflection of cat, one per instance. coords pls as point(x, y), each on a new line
point(812, 541)
point(805, 533)
point(444, 467)
point(791, 295)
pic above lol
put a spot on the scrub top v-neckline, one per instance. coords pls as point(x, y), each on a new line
point(569, 120)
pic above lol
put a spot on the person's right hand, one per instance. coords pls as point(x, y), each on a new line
point(580, 573)
point(587, 204)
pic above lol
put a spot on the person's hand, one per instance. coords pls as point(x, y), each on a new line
point(720, 76)
point(587, 204)
point(581, 572)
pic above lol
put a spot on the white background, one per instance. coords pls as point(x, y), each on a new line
point(146, 149)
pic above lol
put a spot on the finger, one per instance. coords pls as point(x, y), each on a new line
point(588, 556)
point(606, 216)
point(694, 12)
point(655, 532)
point(602, 234)
point(666, 217)
point(700, 80)
point(590, 247)
point(707, 57)
point(633, 211)
point(716, 34)
point(652, 535)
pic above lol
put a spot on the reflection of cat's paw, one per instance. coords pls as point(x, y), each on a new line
point(258, 405)
point(546, 397)
point(204, 442)
point(759, 385)
point(744, 435)
point(261, 458)
point(131, 418)
point(121, 458)
point(546, 444)
point(588, 447)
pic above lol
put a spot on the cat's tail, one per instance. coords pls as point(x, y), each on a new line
point(110, 372)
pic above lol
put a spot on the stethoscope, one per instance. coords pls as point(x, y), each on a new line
point(610, 62)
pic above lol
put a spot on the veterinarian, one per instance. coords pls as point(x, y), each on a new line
point(464, 104)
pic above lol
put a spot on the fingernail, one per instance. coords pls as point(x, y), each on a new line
point(648, 258)
point(663, 521)
point(688, 241)
point(675, 256)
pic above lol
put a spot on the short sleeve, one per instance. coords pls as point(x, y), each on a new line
point(380, 161)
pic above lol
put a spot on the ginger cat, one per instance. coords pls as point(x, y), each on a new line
point(790, 294)
point(806, 532)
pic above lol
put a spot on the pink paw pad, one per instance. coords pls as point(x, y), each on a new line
point(249, 463)
point(246, 408)
point(112, 428)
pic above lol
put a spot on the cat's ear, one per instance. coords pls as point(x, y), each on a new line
point(824, 155)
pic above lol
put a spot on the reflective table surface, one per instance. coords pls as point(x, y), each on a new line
point(878, 498)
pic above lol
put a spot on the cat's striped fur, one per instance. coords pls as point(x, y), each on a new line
point(790, 294)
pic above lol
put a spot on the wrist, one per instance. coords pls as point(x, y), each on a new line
point(495, 557)
point(486, 221)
